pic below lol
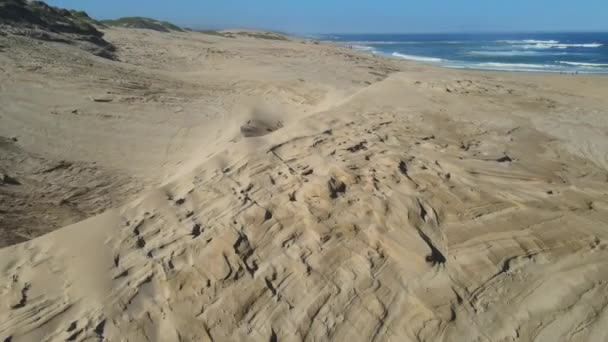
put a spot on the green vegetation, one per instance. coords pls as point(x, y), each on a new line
point(251, 34)
point(262, 35)
point(216, 33)
point(38, 20)
point(39, 14)
point(83, 16)
point(143, 23)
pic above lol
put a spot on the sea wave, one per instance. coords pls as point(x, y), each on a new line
point(473, 67)
point(508, 53)
point(528, 41)
point(533, 41)
point(593, 65)
point(516, 65)
point(547, 44)
point(380, 42)
point(562, 46)
point(512, 67)
point(362, 47)
point(412, 42)
point(522, 67)
point(417, 58)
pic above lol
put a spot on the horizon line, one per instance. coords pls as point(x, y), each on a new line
point(456, 32)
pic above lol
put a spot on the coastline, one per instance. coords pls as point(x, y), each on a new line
point(549, 73)
point(548, 53)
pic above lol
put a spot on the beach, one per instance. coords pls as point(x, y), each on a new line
point(246, 186)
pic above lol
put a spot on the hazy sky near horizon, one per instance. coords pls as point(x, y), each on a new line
point(362, 16)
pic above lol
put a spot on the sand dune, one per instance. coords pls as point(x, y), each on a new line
point(254, 189)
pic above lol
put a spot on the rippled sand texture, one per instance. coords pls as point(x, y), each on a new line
point(247, 189)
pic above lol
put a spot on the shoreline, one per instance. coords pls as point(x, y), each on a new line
point(465, 69)
point(497, 64)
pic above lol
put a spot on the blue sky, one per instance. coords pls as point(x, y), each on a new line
point(362, 16)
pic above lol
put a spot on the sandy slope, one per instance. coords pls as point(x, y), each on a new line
point(282, 191)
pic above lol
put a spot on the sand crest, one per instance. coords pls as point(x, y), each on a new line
point(250, 189)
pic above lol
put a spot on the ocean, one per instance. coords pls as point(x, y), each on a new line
point(585, 53)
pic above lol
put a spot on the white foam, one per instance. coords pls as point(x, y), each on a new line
point(547, 44)
point(506, 53)
point(532, 41)
point(569, 67)
point(499, 69)
point(516, 65)
point(362, 47)
point(528, 41)
point(380, 42)
point(417, 58)
point(561, 46)
point(592, 45)
point(503, 67)
point(515, 53)
point(593, 65)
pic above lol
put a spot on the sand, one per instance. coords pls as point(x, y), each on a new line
point(207, 188)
